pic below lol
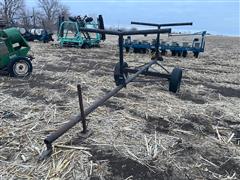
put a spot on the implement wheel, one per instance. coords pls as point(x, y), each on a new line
point(184, 54)
point(117, 76)
point(174, 53)
point(175, 80)
point(20, 67)
point(196, 54)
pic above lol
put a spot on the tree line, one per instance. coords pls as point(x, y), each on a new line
point(16, 13)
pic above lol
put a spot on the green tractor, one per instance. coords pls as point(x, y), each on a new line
point(69, 34)
point(14, 58)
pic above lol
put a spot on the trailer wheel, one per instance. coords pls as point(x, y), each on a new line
point(175, 80)
point(20, 67)
point(117, 77)
point(184, 54)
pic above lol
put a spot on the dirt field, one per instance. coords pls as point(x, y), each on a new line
point(144, 132)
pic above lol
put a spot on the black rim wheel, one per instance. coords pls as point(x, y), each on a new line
point(175, 80)
point(20, 67)
point(117, 76)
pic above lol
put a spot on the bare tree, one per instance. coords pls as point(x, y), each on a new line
point(10, 8)
point(25, 17)
point(50, 10)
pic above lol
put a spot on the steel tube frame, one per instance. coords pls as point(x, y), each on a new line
point(148, 73)
point(162, 25)
point(64, 128)
point(126, 33)
point(84, 113)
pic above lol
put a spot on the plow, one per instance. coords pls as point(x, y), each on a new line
point(176, 48)
point(122, 78)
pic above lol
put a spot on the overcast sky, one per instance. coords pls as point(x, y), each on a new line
point(216, 16)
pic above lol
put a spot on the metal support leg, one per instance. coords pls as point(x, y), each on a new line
point(157, 54)
point(121, 61)
point(82, 109)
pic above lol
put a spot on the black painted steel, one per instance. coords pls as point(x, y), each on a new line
point(80, 99)
point(148, 73)
point(64, 128)
point(125, 33)
point(162, 25)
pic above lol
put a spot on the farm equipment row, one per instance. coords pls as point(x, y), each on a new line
point(175, 48)
point(70, 35)
point(121, 78)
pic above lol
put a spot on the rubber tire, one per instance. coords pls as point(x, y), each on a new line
point(173, 53)
point(127, 49)
point(196, 54)
point(179, 53)
point(175, 80)
point(184, 54)
point(117, 72)
point(11, 71)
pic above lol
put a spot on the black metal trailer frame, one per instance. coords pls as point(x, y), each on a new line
point(121, 79)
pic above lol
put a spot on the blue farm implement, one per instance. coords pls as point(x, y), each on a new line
point(180, 49)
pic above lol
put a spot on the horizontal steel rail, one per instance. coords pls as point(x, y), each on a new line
point(125, 33)
point(162, 25)
point(148, 73)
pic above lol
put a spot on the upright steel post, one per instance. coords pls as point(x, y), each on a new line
point(81, 108)
point(157, 45)
point(121, 61)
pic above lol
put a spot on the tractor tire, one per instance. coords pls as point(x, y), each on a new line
point(20, 67)
point(184, 54)
point(117, 76)
point(175, 80)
